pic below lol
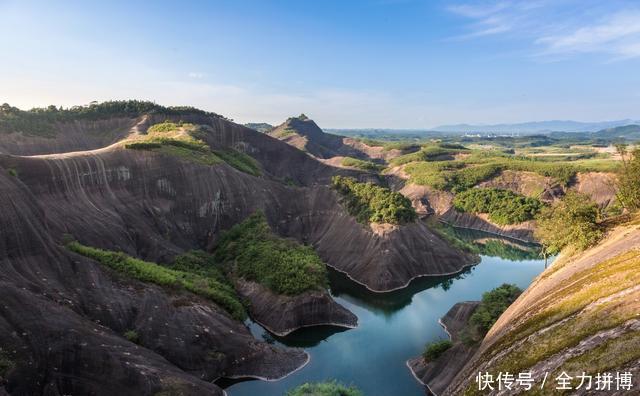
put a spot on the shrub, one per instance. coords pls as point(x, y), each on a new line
point(142, 145)
point(168, 126)
point(503, 206)
point(6, 364)
point(253, 252)
point(433, 350)
point(371, 203)
point(132, 336)
point(330, 388)
point(360, 164)
point(573, 221)
point(493, 304)
point(206, 286)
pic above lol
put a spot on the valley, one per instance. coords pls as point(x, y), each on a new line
point(169, 250)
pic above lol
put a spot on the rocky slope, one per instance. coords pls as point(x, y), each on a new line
point(429, 201)
point(154, 206)
point(599, 186)
point(283, 314)
point(581, 314)
point(438, 374)
point(304, 134)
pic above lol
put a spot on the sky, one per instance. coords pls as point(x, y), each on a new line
point(346, 64)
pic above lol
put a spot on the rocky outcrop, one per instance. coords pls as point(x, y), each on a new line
point(529, 184)
point(429, 201)
point(63, 316)
point(282, 314)
point(580, 314)
point(437, 374)
point(600, 186)
point(153, 206)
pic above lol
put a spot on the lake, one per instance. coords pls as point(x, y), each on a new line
point(393, 327)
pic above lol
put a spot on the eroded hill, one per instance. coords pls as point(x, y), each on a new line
point(152, 185)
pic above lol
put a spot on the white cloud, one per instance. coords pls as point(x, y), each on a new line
point(618, 34)
point(553, 31)
point(196, 75)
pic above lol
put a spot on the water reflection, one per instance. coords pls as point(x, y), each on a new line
point(392, 327)
point(387, 303)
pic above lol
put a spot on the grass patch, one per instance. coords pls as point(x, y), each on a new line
point(240, 161)
point(368, 202)
point(568, 302)
point(181, 140)
point(12, 172)
point(198, 283)
point(286, 132)
point(360, 164)
point(330, 388)
point(253, 252)
point(503, 206)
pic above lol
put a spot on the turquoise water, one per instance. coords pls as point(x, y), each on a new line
point(393, 327)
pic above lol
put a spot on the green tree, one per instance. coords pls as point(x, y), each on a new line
point(629, 178)
point(573, 221)
point(433, 350)
point(493, 304)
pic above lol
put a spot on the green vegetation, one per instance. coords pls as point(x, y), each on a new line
point(6, 364)
point(497, 248)
point(41, 121)
point(493, 304)
point(360, 164)
point(286, 132)
point(573, 222)
point(132, 336)
point(182, 140)
point(433, 350)
point(261, 127)
point(12, 172)
point(169, 126)
point(253, 252)
point(368, 202)
point(241, 161)
point(478, 166)
point(503, 206)
point(563, 315)
point(209, 287)
point(429, 153)
point(464, 239)
point(330, 388)
point(629, 179)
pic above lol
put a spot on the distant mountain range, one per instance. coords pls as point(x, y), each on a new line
point(536, 127)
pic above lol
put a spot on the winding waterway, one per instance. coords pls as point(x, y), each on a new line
point(393, 327)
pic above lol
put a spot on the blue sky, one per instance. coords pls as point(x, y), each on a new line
point(378, 63)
